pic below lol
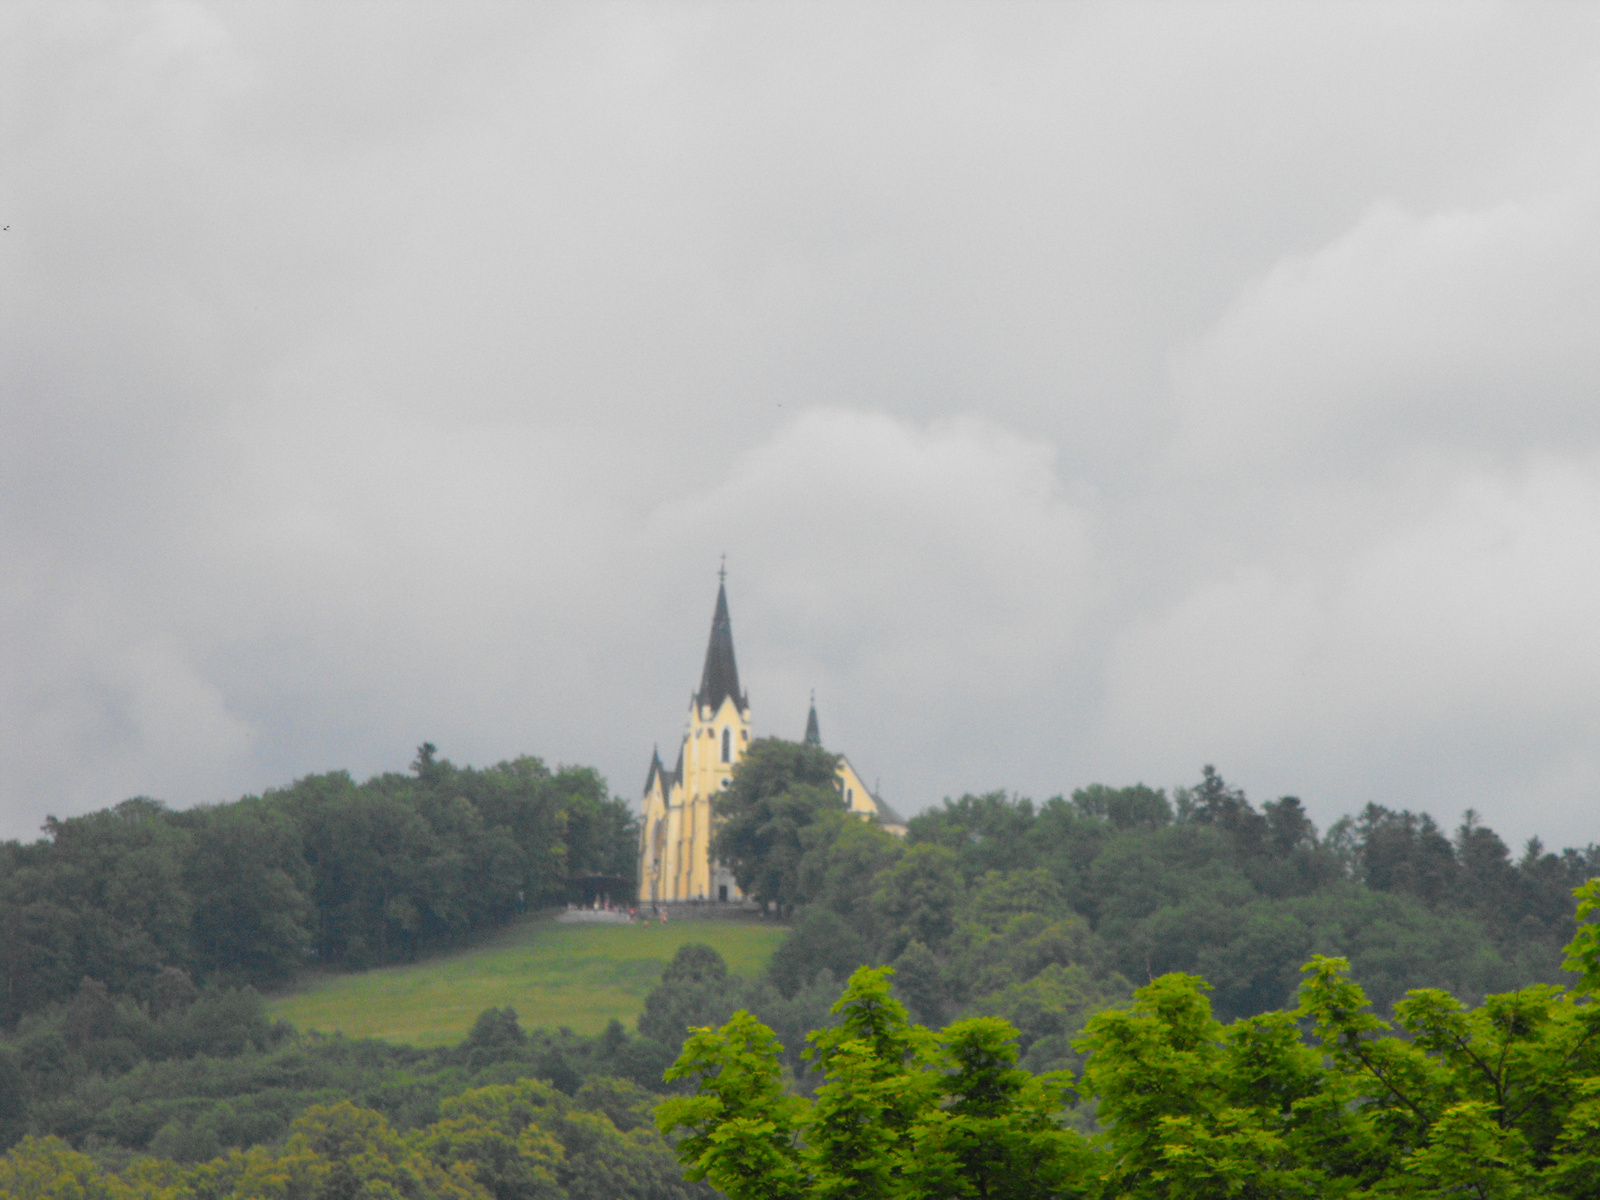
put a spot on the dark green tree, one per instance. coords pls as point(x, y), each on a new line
point(777, 791)
point(695, 989)
point(917, 898)
point(245, 859)
point(1407, 853)
point(1125, 808)
point(843, 856)
point(820, 941)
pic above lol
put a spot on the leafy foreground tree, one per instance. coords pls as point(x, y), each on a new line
point(1499, 1103)
point(904, 1111)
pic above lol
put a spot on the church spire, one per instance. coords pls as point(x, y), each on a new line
point(721, 675)
point(813, 730)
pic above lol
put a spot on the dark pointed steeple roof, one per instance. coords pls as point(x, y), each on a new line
point(721, 675)
point(813, 730)
point(655, 768)
point(658, 769)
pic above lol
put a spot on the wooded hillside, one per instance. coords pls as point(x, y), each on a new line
point(1116, 886)
point(326, 870)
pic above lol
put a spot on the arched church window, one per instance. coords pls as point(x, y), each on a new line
point(727, 744)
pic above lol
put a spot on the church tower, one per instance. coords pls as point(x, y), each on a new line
point(675, 861)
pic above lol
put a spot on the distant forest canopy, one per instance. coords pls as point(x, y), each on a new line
point(326, 870)
point(990, 898)
point(1210, 885)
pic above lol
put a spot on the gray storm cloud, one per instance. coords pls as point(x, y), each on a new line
point(1078, 393)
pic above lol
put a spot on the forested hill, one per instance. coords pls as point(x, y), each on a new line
point(1210, 884)
point(991, 902)
point(325, 870)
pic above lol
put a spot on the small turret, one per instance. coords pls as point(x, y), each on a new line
point(813, 731)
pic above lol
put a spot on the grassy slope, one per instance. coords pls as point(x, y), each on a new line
point(552, 974)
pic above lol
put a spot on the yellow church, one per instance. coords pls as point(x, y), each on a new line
point(675, 861)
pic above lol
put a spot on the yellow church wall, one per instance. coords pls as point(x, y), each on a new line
point(706, 773)
point(681, 869)
point(854, 791)
point(858, 798)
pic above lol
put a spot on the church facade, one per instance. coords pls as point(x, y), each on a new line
point(675, 859)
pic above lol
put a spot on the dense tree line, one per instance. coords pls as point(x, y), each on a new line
point(326, 870)
point(1498, 1102)
point(995, 905)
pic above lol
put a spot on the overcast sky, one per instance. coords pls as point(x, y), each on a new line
point(1079, 393)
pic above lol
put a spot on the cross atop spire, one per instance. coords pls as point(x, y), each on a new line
point(722, 571)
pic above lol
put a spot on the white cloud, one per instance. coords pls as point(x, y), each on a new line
point(1464, 328)
point(1440, 665)
point(94, 708)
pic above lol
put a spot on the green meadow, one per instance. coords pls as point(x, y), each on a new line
point(553, 974)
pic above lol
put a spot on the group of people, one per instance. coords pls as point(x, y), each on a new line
point(603, 904)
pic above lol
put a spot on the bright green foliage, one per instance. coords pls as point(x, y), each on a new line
point(1191, 1109)
point(904, 1112)
point(1496, 1102)
point(526, 1141)
point(994, 1130)
point(742, 1128)
point(877, 1066)
point(1500, 1102)
point(1583, 952)
point(344, 1150)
